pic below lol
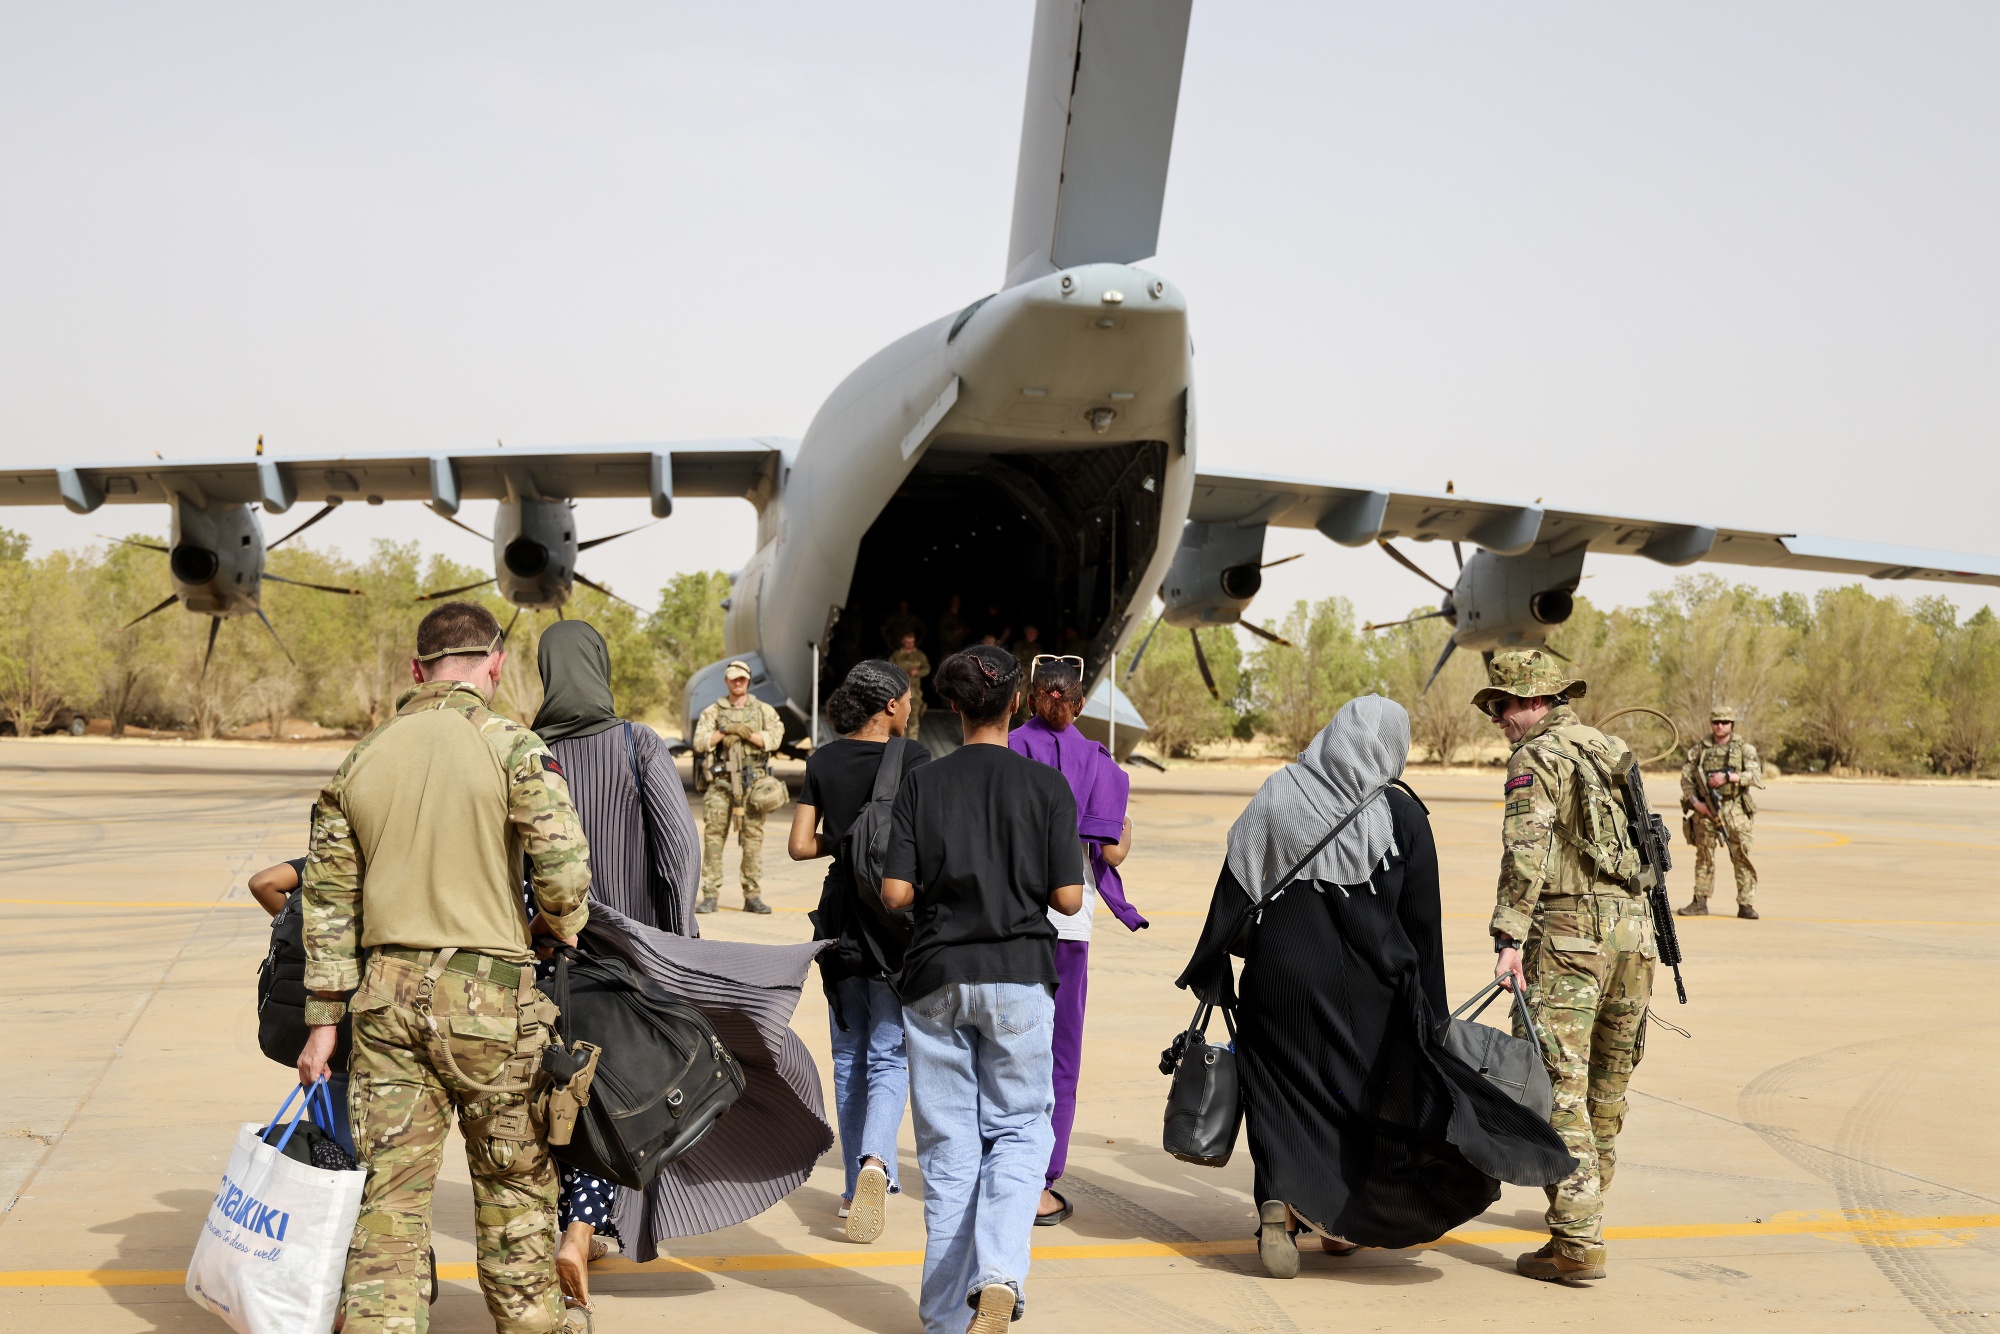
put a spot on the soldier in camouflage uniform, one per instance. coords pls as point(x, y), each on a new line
point(1572, 928)
point(417, 848)
point(733, 741)
point(1715, 788)
point(901, 622)
point(916, 665)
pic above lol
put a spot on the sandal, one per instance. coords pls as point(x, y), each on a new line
point(1059, 1216)
point(1339, 1247)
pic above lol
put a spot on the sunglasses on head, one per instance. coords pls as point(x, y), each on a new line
point(1062, 691)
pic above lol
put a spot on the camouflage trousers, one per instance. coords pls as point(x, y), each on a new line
point(716, 815)
point(916, 723)
point(1737, 822)
point(1589, 964)
point(402, 1096)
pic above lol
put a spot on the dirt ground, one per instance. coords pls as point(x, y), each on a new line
point(1818, 1155)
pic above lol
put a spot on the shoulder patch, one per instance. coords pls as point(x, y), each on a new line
point(549, 765)
point(1519, 781)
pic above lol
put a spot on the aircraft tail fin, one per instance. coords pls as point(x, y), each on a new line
point(1104, 82)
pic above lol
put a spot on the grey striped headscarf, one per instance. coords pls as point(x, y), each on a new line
point(1354, 756)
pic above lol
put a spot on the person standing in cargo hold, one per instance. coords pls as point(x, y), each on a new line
point(418, 844)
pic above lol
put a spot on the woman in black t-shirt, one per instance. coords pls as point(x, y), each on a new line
point(982, 844)
point(870, 1072)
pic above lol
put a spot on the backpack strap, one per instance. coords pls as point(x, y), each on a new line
point(888, 776)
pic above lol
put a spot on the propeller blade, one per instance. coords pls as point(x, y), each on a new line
point(172, 598)
point(133, 542)
point(1407, 620)
point(214, 625)
point(466, 526)
point(510, 625)
point(321, 588)
point(447, 592)
point(593, 584)
point(1443, 658)
point(1457, 555)
point(274, 636)
point(324, 510)
point(600, 541)
point(1140, 652)
point(1281, 560)
point(1408, 564)
point(559, 615)
point(1558, 653)
point(1262, 633)
point(1201, 661)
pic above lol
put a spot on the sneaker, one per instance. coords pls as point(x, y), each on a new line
point(709, 903)
point(995, 1309)
point(1552, 1266)
point(1699, 908)
point(867, 1212)
point(1746, 912)
point(1275, 1246)
point(843, 1211)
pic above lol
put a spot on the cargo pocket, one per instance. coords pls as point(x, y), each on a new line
point(483, 1045)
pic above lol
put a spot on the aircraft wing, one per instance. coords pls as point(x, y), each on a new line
point(444, 480)
point(1354, 516)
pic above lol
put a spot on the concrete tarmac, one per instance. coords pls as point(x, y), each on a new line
point(1819, 1154)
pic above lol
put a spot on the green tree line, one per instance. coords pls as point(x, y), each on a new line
point(1843, 681)
point(66, 641)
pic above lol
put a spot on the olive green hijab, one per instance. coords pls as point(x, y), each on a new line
point(576, 682)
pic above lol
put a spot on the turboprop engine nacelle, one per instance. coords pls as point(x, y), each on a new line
point(534, 551)
point(1513, 601)
point(216, 557)
point(1216, 570)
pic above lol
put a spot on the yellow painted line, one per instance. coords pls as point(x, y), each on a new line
point(1871, 1231)
point(135, 903)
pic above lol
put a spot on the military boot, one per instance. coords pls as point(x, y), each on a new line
point(1746, 912)
point(1699, 908)
point(708, 903)
point(1552, 1266)
point(755, 902)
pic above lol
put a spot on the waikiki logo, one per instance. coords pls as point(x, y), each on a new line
point(247, 1211)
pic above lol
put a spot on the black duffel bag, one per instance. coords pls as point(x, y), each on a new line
point(1512, 1065)
point(662, 1074)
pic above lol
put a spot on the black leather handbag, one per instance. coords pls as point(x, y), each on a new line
point(1205, 1104)
point(1512, 1065)
point(663, 1075)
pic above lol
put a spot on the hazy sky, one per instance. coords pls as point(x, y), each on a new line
point(1728, 263)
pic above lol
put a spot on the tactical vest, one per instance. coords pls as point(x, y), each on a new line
point(1603, 836)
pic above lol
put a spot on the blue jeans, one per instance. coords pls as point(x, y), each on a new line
point(981, 1095)
point(871, 1075)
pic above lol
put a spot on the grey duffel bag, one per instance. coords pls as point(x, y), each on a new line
point(1512, 1065)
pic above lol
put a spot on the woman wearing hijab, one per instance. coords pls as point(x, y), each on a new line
point(1362, 1127)
point(645, 870)
point(1100, 788)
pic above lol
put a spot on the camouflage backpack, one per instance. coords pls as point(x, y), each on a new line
point(1605, 836)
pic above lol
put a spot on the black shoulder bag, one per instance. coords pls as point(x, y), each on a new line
point(1205, 1102)
point(884, 934)
point(643, 1076)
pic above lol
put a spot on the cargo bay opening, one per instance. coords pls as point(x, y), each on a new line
point(1055, 540)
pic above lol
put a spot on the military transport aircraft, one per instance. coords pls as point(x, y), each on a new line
point(1032, 453)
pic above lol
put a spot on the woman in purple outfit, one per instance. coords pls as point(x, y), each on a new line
point(1100, 787)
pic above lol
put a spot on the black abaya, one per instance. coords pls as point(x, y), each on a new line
point(1357, 1116)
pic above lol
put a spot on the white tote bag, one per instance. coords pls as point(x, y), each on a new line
point(273, 1250)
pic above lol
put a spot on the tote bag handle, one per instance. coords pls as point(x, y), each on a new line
point(1491, 992)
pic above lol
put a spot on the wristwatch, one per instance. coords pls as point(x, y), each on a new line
point(1503, 943)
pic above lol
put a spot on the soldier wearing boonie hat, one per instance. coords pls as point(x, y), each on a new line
point(1717, 807)
point(1572, 931)
point(733, 740)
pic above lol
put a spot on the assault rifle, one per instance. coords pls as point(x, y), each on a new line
point(1711, 797)
point(1649, 836)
